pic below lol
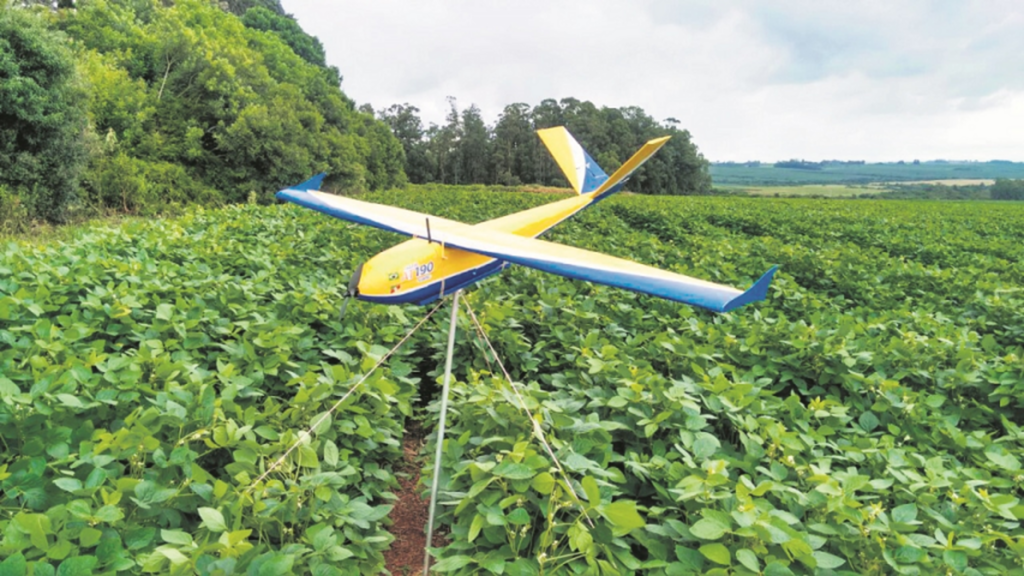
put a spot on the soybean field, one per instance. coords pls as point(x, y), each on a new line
point(864, 419)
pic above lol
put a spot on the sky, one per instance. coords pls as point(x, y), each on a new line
point(750, 79)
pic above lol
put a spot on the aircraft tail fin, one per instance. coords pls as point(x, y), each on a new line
point(615, 182)
point(582, 171)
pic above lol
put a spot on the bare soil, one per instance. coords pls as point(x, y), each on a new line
point(411, 511)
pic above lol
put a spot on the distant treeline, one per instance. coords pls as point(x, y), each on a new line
point(132, 105)
point(466, 150)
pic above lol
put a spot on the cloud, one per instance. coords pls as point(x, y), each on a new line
point(750, 79)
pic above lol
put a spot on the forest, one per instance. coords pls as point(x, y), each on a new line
point(139, 106)
point(143, 107)
point(467, 151)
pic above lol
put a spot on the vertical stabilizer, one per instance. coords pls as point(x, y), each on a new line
point(582, 171)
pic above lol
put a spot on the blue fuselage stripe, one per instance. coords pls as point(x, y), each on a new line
point(430, 292)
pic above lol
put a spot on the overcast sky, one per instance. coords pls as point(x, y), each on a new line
point(755, 79)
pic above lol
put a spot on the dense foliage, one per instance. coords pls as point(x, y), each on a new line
point(466, 150)
point(862, 420)
point(150, 373)
point(1005, 189)
point(187, 103)
point(42, 119)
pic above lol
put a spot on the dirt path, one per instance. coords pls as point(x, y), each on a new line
point(405, 558)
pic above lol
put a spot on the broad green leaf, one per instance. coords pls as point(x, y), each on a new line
point(176, 537)
point(513, 471)
point(543, 483)
point(474, 528)
point(451, 563)
point(592, 491)
point(213, 520)
point(77, 566)
point(708, 529)
point(14, 565)
point(826, 560)
point(623, 515)
point(717, 553)
point(747, 557)
point(998, 454)
point(868, 421)
point(955, 559)
point(905, 513)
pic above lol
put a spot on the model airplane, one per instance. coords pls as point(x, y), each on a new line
point(444, 255)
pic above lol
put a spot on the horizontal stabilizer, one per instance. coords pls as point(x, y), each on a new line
point(311, 184)
point(617, 180)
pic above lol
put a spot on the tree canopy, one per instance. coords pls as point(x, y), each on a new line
point(465, 150)
point(1007, 189)
point(176, 102)
point(42, 116)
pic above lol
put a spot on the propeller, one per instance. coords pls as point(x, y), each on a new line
point(353, 290)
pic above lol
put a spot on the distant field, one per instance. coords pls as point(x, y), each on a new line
point(769, 175)
point(829, 190)
point(950, 182)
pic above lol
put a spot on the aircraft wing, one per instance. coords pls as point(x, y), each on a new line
point(602, 269)
point(539, 254)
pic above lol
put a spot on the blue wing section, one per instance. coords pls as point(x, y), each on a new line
point(593, 175)
point(311, 184)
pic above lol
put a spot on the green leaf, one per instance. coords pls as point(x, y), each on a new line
point(89, 537)
point(998, 455)
point(452, 563)
point(592, 491)
point(213, 520)
point(868, 421)
point(826, 560)
point(955, 559)
point(623, 515)
point(905, 513)
point(77, 566)
point(717, 553)
point(777, 569)
point(109, 514)
point(476, 526)
point(543, 483)
point(37, 526)
point(705, 445)
point(331, 453)
point(909, 554)
point(176, 537)
point(164, 311)
point(137, 538)
point(277, 565)
point(14, 565)
point(749, 560)
point(68, 484)
point(519, 516)
point(708, 529)
point(513, 471)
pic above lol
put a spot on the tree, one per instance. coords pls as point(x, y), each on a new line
point(475, 148)
point(305, 46)
point(235, 107)
point(514, 146)
point(406, 125)
point(1006, 189)
point(42, 115)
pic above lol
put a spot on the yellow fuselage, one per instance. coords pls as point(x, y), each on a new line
point(421, 271)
